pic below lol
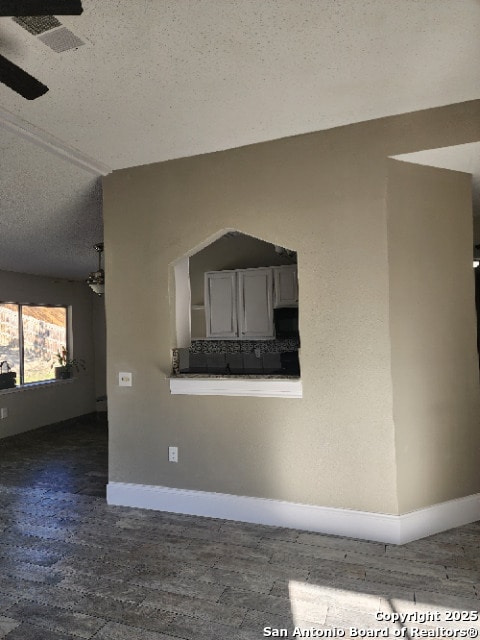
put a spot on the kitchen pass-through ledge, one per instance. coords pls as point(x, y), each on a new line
point(251, 386)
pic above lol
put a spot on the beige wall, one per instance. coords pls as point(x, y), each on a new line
point(323, 194)
point(433, 330)
point(36, 407)
point(100, 350)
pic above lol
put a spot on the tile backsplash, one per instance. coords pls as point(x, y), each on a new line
point(244, 346)
point(249, 353)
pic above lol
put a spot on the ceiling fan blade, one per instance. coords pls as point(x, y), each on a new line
point(20, 81)
point(15, 8)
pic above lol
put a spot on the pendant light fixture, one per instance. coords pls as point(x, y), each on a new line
point(96, 279)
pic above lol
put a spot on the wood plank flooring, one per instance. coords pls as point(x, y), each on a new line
point(73, 567)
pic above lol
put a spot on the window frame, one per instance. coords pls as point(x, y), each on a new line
point(21, 345)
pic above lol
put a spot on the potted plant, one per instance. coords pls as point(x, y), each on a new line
point(7, 377)
point(64, 365)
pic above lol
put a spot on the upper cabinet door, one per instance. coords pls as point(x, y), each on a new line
point(286, 286)
point(255, 298)
point(221, 304)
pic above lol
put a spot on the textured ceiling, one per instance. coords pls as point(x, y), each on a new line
point(50, 212)
point(158, 79)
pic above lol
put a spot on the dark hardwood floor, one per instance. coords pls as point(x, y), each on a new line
point(73, 567)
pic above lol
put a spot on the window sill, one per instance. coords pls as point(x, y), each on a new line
point(241, 386)
point(35, 385)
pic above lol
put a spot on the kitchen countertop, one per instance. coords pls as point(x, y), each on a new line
point(249, 376)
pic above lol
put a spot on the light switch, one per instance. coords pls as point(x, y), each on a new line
point(125, 379)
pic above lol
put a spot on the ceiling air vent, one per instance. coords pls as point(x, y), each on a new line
point(61, 40)
point(38, 24)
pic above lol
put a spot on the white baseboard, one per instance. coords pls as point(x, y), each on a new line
point(439, 517)
point(395, 529)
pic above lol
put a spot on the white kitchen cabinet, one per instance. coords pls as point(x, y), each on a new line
point(255, 304)
point(285, 286)
point(221, 304)
point(239, 304)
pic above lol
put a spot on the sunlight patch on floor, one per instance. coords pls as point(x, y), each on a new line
point(318, 605)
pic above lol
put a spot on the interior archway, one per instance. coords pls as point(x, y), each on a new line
point(248, 267)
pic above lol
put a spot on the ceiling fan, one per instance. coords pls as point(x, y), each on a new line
point(12, 75)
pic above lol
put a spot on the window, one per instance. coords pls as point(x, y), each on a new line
point(30, 336)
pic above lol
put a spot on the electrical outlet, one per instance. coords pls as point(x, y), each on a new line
point(124, 379)
point(3, 413)
point(173, 454)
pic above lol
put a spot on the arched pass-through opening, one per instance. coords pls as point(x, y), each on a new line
point(237, 317)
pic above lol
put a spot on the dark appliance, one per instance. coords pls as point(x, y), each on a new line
point(290, 363)
point(286, 322)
